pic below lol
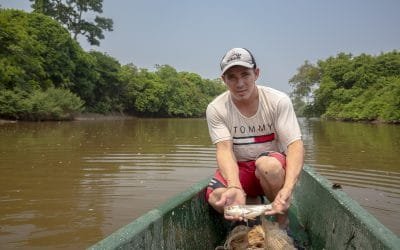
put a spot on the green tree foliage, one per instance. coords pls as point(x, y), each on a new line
point(302, 83)
point(52, 104)
point(71, 14)
point(166, 92)
point(35, 52)
point(360, 88)
point(45, 74)
point(106, 96)
point(308, 75)
point(128, 75)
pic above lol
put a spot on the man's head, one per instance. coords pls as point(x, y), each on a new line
point(239, 72)
point(237, 57)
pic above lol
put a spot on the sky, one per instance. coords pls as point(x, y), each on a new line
point(194, 35)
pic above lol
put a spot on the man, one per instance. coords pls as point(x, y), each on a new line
point(258, 142)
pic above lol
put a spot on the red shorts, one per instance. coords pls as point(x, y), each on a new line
point(248, 180)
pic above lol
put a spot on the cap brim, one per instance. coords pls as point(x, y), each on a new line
point(238, 63)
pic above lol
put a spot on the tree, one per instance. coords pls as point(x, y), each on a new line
point(108, 92)
point(46, 75)
point(353, 88)
point(307, 76)
point(36, 52)
point(40, 66)
point(71, 14)
point(303, 81)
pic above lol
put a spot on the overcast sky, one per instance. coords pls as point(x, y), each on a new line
point(193, 35)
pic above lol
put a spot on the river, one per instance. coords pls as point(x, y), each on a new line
point(67, 185)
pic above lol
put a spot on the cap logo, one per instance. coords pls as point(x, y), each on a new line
point(239, 57)
point(234, 56)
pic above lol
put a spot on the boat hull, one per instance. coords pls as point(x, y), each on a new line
point(321, 217)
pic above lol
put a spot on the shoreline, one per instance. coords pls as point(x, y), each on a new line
point(81, 117)
point(97, 117)
point(121, 116)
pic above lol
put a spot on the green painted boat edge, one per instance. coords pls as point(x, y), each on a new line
point(360, 229)
point(124, 237)
point(346, 224)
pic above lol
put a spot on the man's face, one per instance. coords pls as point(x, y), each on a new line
point(241, 81)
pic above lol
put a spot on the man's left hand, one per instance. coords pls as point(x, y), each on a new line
point(281, 203)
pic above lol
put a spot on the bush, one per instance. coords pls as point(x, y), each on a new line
point(52, 104)
point(12, 104)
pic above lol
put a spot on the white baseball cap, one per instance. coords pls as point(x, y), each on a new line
point(237, 56)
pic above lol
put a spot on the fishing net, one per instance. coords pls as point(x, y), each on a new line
point(268, 235)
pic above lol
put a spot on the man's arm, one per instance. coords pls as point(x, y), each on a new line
point(227, 163)
point(230, 171)
point(294, 165)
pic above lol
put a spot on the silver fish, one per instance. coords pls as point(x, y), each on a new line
point(247, 211)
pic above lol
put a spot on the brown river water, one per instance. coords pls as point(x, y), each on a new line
point(67, 185)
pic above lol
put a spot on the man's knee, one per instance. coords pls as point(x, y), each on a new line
point(269, 166)
point(270, 170)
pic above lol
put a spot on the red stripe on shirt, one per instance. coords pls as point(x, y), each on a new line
point(264, 138)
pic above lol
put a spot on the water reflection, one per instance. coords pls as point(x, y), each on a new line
point(67, 185)
point(350, 144)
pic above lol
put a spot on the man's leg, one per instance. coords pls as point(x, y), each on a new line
point(271, 173)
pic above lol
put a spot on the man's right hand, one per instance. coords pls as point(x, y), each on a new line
point(232, 196)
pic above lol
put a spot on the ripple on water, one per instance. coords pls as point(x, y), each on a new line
point(377, 191)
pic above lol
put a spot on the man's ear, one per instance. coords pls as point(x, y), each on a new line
point(257, 72)
point(223, 78)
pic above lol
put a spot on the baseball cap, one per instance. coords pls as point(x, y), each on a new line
point(237, 56)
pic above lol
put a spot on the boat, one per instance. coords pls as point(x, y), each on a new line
point(321, 216)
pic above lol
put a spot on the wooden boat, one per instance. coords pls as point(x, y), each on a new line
point(321, 216)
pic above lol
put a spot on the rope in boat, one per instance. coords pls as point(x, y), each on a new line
point(268, 235)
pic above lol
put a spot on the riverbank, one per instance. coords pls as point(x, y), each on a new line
point(2, 121)
point(364, 121)
point(84, 117)
point(122, 116)
point(376, 121)
point(96, 117)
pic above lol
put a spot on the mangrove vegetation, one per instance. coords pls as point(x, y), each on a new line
point(46, 75)
point(350, 88)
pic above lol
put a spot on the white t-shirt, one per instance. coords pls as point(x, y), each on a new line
point(272, 128)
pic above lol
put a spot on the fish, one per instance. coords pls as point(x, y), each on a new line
point(246, 211)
